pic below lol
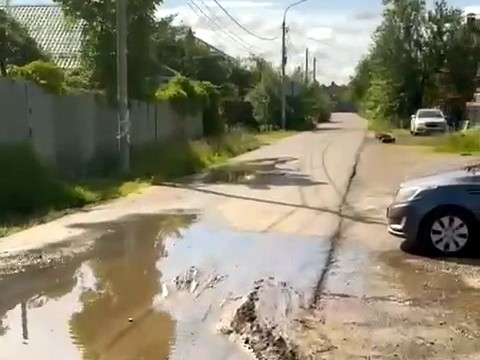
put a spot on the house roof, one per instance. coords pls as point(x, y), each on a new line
point(59, 36)
point(53, 32)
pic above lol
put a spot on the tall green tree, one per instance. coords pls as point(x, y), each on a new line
point(99, 42)
point(419, 57)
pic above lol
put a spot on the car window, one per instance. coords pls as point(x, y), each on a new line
point(430, 114)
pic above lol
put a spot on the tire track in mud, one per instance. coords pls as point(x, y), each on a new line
point(303, 200)
point(309, 170)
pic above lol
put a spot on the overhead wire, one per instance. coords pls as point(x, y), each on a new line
point(242, 26)
point(197, 10)
point(327, 43)
point(224, 27)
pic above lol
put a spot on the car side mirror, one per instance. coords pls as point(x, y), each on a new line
point(412, 117)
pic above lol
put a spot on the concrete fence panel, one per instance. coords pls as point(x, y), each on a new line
point(142, 131)
point(165, 119)
point(14, 124)
point(74, 116)
point(195, 126)
point(77, 132)
point(41, 117)
point(106, 156)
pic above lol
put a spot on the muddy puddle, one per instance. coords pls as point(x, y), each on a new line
point(161, 287)
point(258, 174)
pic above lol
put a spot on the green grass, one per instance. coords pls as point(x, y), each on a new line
point(461, 142)
point(456, 142)
point(30, 194)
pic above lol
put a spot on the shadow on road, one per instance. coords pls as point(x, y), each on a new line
point(352, 217)
point(471, 259)
point(256, 174)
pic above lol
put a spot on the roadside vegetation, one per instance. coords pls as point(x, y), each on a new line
point(32, 194)
point(420, 57)
point(238, 98)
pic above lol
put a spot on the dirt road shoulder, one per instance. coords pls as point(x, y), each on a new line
point(379, 302)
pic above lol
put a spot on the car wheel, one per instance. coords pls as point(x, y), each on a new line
point(448, 232)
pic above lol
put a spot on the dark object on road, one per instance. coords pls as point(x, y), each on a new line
point(440, 213)
point(385, 138)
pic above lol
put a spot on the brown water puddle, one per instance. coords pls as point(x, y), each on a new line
point(153, 287)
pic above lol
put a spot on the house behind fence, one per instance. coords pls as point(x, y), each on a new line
point(77, 133)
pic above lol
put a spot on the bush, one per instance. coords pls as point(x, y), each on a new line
point(46, 74)
point(172, 160)
point(190, 96)
point(213, 123)
point(27, 187)
point(185, 95)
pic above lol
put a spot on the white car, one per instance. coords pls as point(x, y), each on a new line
point(427, 121)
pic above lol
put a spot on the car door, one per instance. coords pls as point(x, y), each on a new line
point(473, 193)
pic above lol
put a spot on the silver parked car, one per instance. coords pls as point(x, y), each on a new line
point(439, 213)
point(427, 121)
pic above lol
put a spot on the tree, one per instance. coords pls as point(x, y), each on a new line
point(99, 42)
point(16, 46)
point(419, 57)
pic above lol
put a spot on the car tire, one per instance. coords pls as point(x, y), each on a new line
point(448, 232)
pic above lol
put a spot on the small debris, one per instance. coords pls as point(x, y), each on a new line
point(385, 138)
point(130, 319)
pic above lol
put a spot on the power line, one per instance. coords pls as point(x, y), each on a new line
point(324, 42)
point(225, 27)
point(196, 9)
point(241, 26)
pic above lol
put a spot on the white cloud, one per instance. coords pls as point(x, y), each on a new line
point(337, 39)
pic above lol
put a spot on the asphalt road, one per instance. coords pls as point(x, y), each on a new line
point(302, 197)
point(268, 255)
point(238, 255)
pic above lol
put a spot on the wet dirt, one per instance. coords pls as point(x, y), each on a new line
point(162, 287)
point(260, 173)
point(392, 304)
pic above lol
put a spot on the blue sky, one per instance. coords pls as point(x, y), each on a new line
point(337, 32)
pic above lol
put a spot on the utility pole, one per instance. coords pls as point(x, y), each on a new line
point(306, 66)
point(123, 118)
point(314, 70)
point(284, 63)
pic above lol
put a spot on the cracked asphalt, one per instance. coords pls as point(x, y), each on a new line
point(280, 254)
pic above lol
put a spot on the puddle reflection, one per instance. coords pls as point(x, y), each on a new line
point(110, 303)
point(104, 308)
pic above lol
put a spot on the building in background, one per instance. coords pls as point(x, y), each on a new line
point(61, 37)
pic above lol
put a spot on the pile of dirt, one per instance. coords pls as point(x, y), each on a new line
point(262, 339)
point(262, 327)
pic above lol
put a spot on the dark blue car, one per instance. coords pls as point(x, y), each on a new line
point(439, 213)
